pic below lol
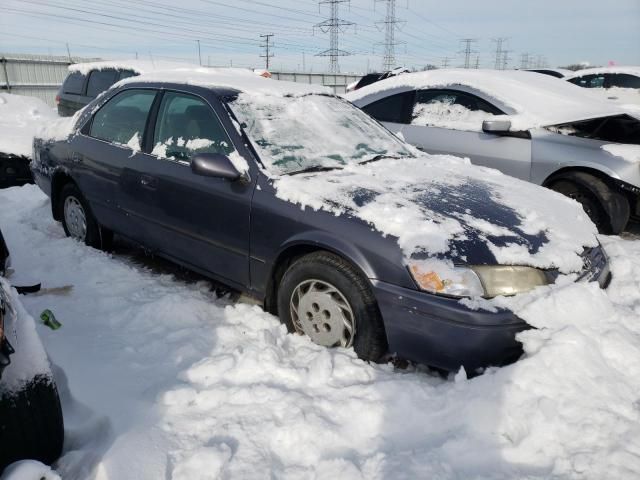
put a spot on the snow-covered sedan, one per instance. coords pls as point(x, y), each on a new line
point(30, 415)
point(527, 125)
point(617, 84)
point(296, 197)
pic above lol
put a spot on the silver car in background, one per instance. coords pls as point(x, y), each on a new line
point(531, 126)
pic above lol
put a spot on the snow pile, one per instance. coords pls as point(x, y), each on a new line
point(406, 199)
point(60, 128)
point(29, 358)
point(240, 79)
point(530, 99)
point(631, 153)
point(20, 118)
point(29, 470)
point(161, 380)
point(448, 115)
point(140, 67)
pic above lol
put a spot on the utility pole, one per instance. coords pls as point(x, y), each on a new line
point(391, 24)
point(199, 54)
point(524, 61)
point(267, 49)
point(334, 26)
point(69, 53)
point(499, 52)
point(468, 51)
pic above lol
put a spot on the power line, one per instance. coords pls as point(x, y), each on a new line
point(267, 49)
point(391, 24)
point(334, 26)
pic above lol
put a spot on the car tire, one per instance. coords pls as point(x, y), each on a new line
point(607, 208)
point(31, 425)
point(352, 299)
point(78, 220)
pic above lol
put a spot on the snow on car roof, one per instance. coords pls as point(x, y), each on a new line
point(20, 118)
point(138, 66)
point(240, 79)
point(631, 70)
point(532, 100)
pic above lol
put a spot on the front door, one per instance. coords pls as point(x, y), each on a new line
point(200, 221)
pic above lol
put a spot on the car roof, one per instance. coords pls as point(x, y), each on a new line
point(138, 66)
point(226, 79)
point(631, 70)
point(531, 99)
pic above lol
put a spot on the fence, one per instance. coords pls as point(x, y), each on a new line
point(41, 75)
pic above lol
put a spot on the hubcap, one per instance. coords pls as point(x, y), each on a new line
point(320, 310)
point(75, 218)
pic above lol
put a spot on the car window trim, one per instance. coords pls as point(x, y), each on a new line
point(152, 128)
point(460, 92)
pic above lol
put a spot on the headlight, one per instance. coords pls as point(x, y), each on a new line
point(476, 281)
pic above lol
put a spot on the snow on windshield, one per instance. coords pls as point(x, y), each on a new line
point(295, 133)
point(444, 207)
point(446, 114)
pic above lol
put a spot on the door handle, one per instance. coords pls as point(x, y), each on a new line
point(149, 182)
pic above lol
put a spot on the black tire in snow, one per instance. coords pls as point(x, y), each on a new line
point(370, 342)
point(31, 425)
point(96, 236)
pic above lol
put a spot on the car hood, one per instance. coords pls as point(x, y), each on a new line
point(443, 207)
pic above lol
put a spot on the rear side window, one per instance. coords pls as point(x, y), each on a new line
point(395, 108)
point(122, 119)
point(187, 125)
point(126, 74)
point(618, 128)
point(74, 84)
point(99, 81)
point(589, 81)
point(623, 80)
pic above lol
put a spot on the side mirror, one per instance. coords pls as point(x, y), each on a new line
point(214, 165)
point(496, 126)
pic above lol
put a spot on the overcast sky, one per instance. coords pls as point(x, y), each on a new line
point(556, 31)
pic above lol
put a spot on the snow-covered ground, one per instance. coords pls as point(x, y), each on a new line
point(161, 379)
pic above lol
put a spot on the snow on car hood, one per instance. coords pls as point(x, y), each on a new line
point(20, 119)
point(443, 207)
point(530, 99)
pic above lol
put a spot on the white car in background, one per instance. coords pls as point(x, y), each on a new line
point(618, 84)
point(531, 126)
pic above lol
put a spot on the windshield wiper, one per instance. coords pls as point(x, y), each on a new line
point(316, 168)
point(380, 157)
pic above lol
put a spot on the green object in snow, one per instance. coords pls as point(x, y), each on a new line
point(49, 319)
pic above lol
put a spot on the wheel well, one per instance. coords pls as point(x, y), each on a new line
point(60, 179)
point(591, 171)
point(282, 263)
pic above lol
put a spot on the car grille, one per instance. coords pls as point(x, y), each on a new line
point(596, 267)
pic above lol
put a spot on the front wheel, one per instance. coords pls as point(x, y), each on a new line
point(324, 297)
point(78, 221)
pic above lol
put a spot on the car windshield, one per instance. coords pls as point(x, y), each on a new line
point(312, 132)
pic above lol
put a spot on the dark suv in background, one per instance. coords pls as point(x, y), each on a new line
point(79, 88)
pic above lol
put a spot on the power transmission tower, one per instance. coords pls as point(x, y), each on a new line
point(267, 49)
point(499, 52)
point(505, 59)
point(524, 61)
point(391, 24)
point(468, 51)
point(477, 64)
point(445, 62)
point(334, 26)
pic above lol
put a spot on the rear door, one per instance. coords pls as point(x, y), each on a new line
point(100, 81)
point(106, 146)
point(199, 221)
point(450, 122)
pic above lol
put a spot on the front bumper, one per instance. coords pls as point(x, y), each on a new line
point(442, 332)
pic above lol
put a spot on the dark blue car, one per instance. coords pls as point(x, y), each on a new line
point(301, 200)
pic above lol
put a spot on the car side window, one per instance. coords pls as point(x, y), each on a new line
point(74, 84)
point(187, 125)
point(623, 80)
point(589, 81)
point(126, 74)
point(123, 118)
point(99, 81)
point(451, 109)
point(394, 108)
